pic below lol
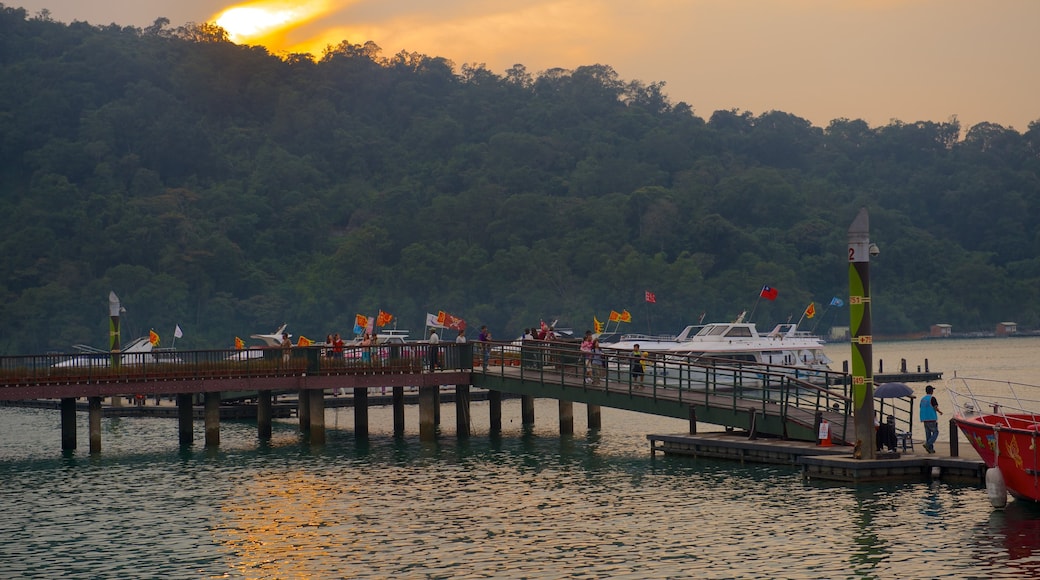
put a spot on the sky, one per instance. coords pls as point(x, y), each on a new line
point(875, 60)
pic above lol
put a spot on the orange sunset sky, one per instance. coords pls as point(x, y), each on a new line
point(876, 60)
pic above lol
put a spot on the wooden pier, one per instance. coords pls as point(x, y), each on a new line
point(834, 463)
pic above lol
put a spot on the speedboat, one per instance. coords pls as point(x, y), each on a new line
point(136, 352)
point(271, 340)
point(652, 343)
point(1001, 420)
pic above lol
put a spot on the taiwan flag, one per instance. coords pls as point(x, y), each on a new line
point(768, 292)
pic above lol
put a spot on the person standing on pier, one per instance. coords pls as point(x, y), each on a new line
point(484, 338)
point(929, 413)
point(286, 348)
point(434, 341)
point(638, 364)
point(586, 355)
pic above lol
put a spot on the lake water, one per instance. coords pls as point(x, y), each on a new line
point(524, 504)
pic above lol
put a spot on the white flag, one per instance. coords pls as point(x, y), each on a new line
point(177, 332)
point(431, 320)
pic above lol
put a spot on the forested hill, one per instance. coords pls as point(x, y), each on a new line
point(227, 190)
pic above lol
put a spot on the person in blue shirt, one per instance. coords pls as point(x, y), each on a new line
point(930, 412)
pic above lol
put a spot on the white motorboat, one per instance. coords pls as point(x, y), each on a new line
point(136, 352)
point(790, 351)
point(651, 343)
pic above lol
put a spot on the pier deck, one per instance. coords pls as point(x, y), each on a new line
point(835, 463)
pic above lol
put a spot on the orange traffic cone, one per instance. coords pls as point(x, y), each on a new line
point(823, 438)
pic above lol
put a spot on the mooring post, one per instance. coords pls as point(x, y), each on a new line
point(566, 417)
point(68, 424)
point(595, 416)
point(495, 408)
point(264, 413)
point(954, 441)
point(185, 418)
point(212, 419)
point(360, 412)
point(398, 393)
point(94, 423)
point(527, 410)
point(693, 420)
point(462, 419)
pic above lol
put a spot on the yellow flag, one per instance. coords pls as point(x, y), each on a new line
point(626, 316)
point(304, 341)
point(153, 338)
point(597, 325)
point(810, 311)
point(239, 344)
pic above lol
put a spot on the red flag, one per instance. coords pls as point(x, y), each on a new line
point(383, 318)
point(651, 297)
point(625, 316)
point(239, 344)
point(810, 311)
point(768, 292)
point(360, 320)
point(153, 338)
point(614, 316)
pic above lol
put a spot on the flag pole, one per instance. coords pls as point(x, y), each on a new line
point(753, 308)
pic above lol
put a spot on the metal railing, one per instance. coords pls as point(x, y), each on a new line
point(55, 369)
point(772, 388)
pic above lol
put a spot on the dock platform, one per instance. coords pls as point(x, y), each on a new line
point(835, 463)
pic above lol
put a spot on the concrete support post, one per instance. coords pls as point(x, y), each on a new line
point(185, 418)
point(527, 410)
point(264, 412)
point(462, 418)
point(94, 423)
point(566, 417)
point(303, 410)
point(212, 419)
point(398, 411)
point(316, 402)
point(437, 406)
point(361, 412)
point(595, 417)
point(495, 407)
point(68, 424)
point(427, 413)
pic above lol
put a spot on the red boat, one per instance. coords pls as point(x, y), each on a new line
point(1000, 421)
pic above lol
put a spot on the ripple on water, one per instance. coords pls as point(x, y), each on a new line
point(521, 505)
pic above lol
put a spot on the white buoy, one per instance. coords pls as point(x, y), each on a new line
point(936, 472)
point(995, 488)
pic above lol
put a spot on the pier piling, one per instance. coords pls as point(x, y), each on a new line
point(360, 412)
point(212, 419)
point(68, 424)
point(566, 417)
point(185, 419)
point(94, 422)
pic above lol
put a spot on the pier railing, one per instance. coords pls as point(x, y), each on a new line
point(792, 393)
point(64, 368)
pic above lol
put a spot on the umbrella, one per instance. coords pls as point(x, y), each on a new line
point(892, 391)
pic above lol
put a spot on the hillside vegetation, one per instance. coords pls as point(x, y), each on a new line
point(226, 190)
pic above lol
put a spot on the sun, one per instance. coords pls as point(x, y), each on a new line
point(252, 21)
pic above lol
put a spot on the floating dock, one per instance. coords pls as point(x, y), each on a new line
point(834, 463)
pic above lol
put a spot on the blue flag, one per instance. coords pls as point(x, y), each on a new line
point(837, 302)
